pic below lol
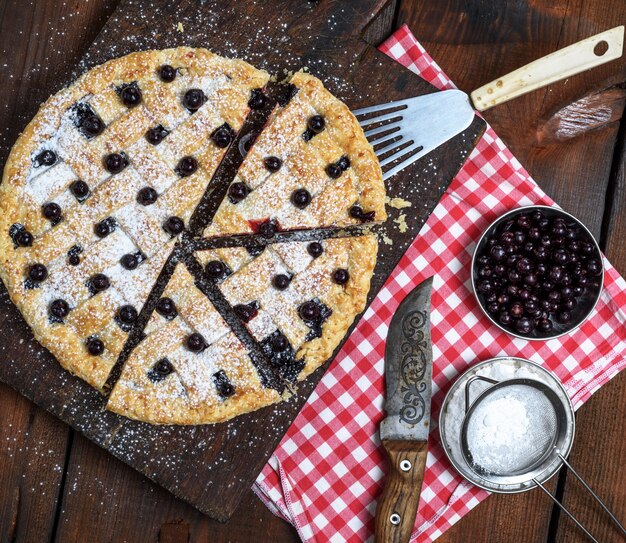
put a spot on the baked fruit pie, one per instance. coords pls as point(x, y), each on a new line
point(187, 236)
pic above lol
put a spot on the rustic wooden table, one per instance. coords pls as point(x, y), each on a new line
point(55, 485)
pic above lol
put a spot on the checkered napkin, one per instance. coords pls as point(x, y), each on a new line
point(329, 469)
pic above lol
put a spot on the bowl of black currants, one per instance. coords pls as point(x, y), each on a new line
point(537, 272)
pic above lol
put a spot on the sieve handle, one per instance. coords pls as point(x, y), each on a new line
point(565, 510)
point(596, 497)
point(467, 388)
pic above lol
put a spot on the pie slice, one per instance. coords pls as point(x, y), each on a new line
point(101, 181)
point(296, 299)
point(190, 368)
point(310, 167)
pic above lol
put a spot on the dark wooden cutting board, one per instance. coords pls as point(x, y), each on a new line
point(211, 466)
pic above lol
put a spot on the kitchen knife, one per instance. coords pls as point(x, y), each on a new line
point(404, 432)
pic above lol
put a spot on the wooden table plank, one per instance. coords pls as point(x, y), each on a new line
point(102, 491)
point(598, 455)
point(475, 45)
point(476, 42)
point(600, 448)
point(33, 446)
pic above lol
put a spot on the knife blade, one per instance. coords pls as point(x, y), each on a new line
point(404, 431)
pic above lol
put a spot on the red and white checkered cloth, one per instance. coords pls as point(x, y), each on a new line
point(328, 471)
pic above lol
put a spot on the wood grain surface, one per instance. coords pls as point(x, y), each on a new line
point(55, 485)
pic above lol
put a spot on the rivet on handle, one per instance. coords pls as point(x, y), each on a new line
point(395, 519)
point(405, 465)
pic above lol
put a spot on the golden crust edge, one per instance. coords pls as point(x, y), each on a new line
point(124, 403)
point(350, 304)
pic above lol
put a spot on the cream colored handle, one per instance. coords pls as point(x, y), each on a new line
point(568, 61)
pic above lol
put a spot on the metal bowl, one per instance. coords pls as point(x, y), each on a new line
point(451, 421)
point(586, 303)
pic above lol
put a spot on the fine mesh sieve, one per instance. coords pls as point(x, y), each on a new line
point(508, 452)
point(518, 431)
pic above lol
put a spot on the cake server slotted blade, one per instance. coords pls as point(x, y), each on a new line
point(407, 130)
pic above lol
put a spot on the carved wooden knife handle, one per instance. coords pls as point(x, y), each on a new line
point(397, 506)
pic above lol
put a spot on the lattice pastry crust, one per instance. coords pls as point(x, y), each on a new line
point(306, 159)
point(95, 203)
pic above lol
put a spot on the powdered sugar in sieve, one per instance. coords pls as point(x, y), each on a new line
point(516, 433)
point(510, 430)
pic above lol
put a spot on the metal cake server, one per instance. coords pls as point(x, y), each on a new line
point(404, 131)
point(404, 432)
point(414, 127)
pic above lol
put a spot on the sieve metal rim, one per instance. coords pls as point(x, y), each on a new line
point(546, 459)
point(446, 439)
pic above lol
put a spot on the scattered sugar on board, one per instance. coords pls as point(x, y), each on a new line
point(209, 22)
